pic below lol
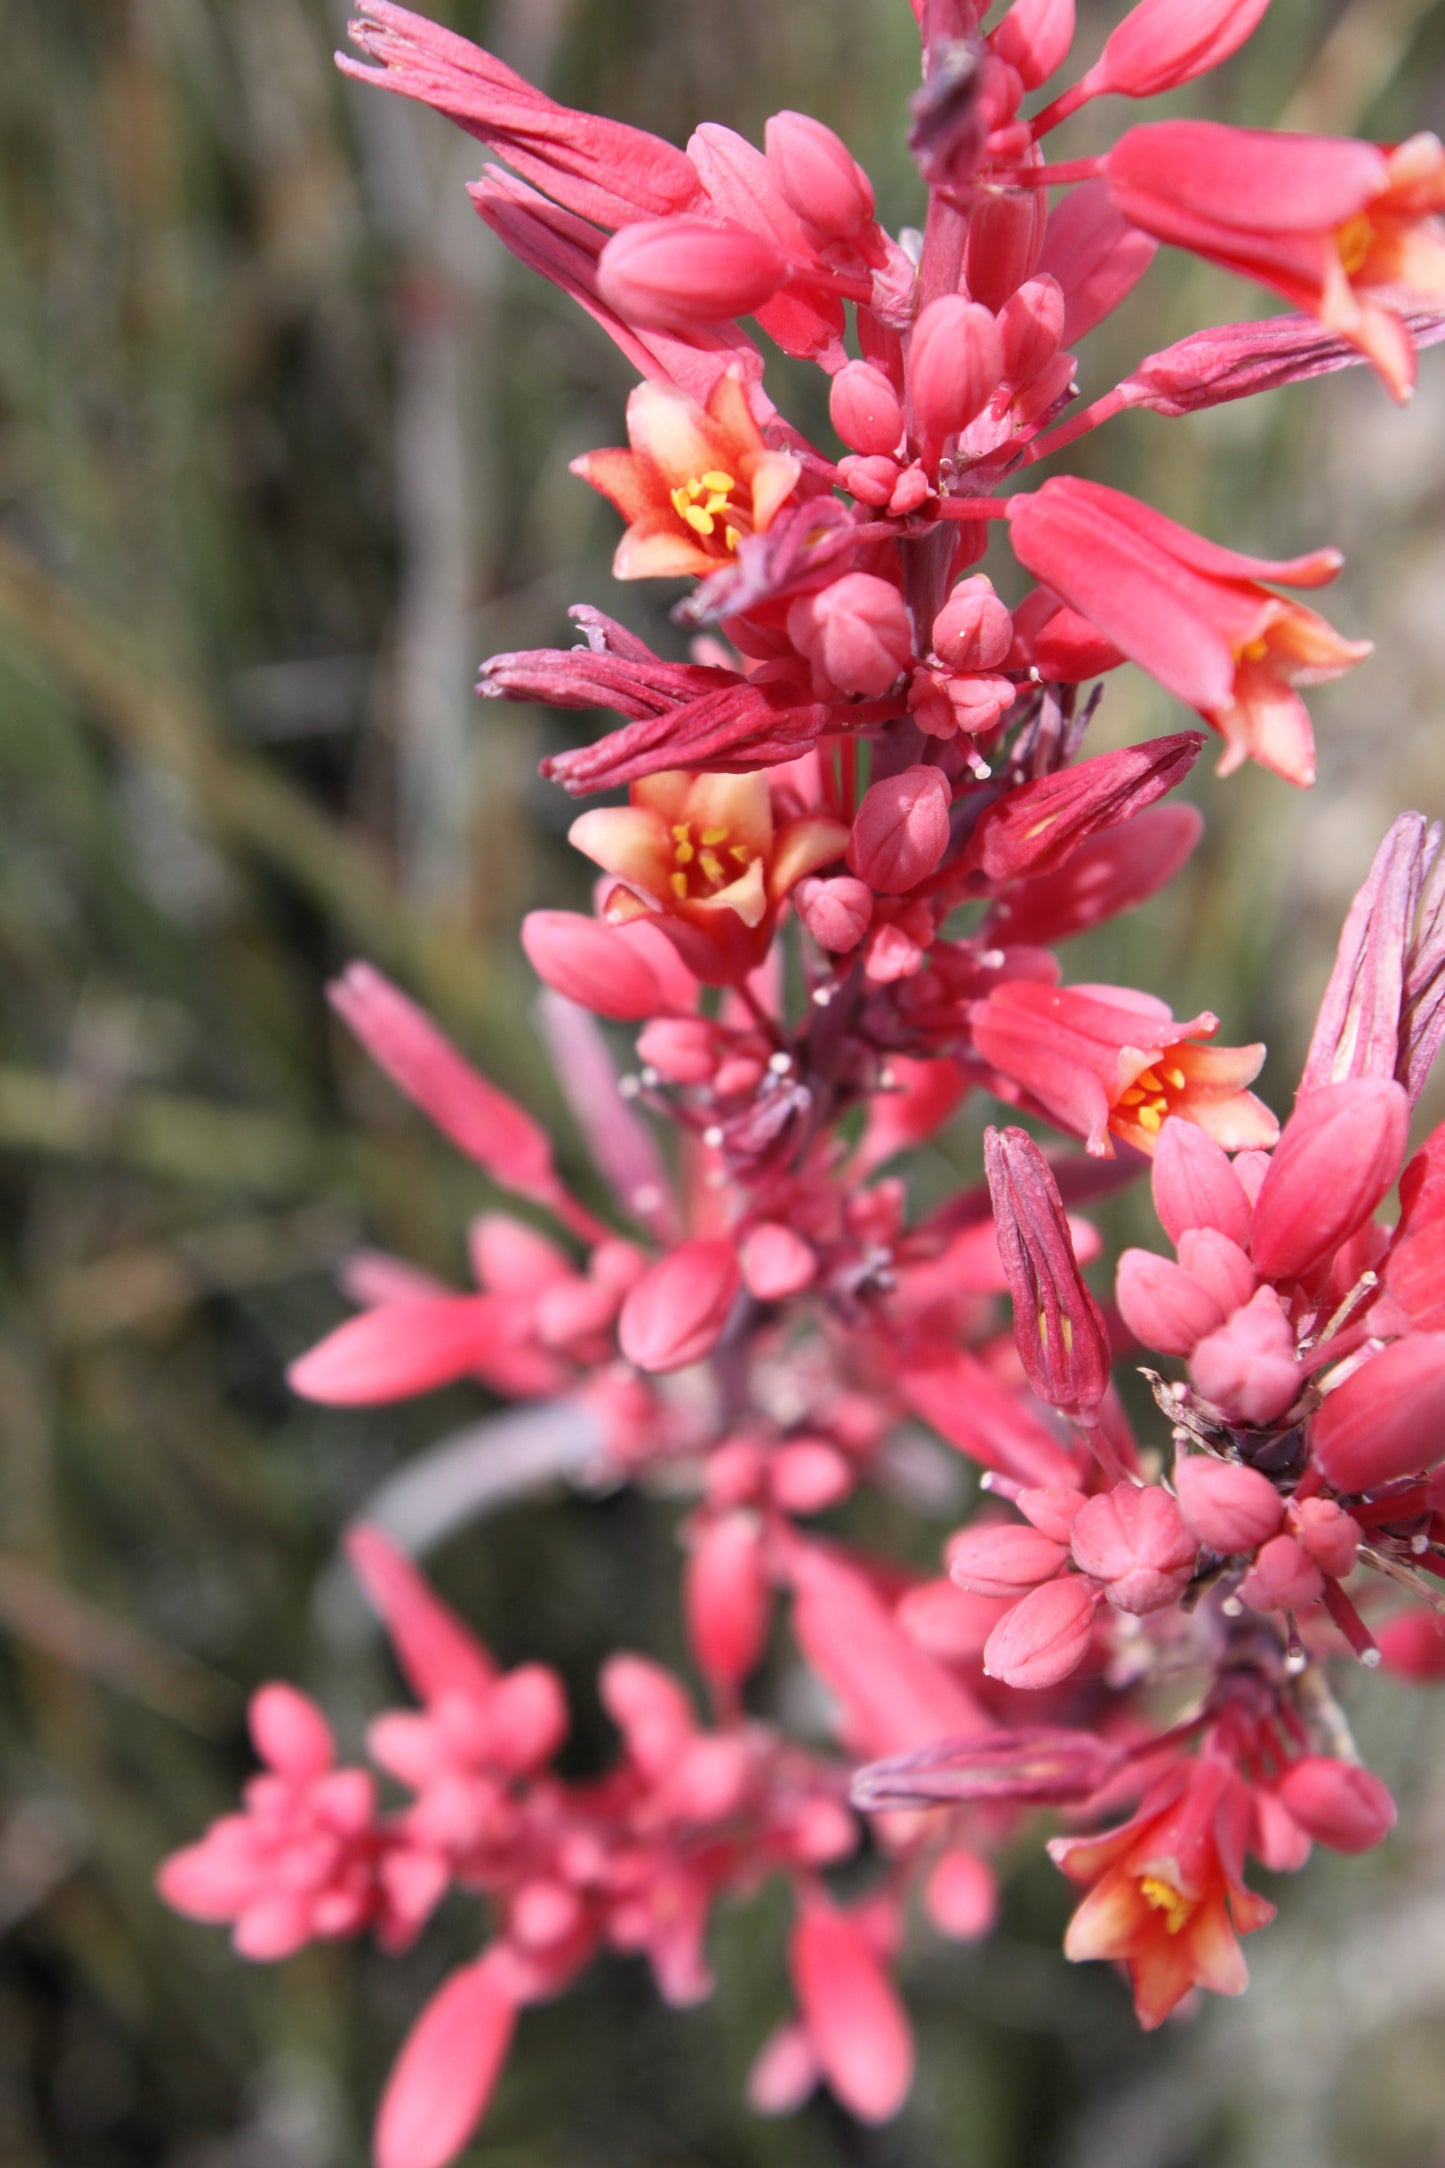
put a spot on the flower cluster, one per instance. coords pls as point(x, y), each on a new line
point(860, 822)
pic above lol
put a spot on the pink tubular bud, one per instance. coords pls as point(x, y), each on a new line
point(1412, 1647)
point(1134, 1540)
point(1163, 43)
point(1031, 325)
point(676, 1313)
point(683, 1049)
point(1218, 1264)
point(1283, 1577)
point(1005, 236)
point(776, 1263)
point(1194, 1184)
point(1044, 1637)
point(855, 2022)
point(855, 633)
point(1337, 1155)
point(1248, 1367)
point(726, 1600)
point(592, 964)
point(961, 1896)
point(973, 630)
point(837, 913)
point(1328, 1533)
point(955, 361)
point(1051, 1510)
point(1004, 1560)
point(1338, 1803)
point(871, 481)
point(1035, 37)
point(1230, 1508)
point(1387, 1419)
point(865, 411)
point(669, 273)
point(445, 2075)
point(289, 1732)
point(818, 175)
point(1059, 1329)
point(901, 830)
point(1163, 1305)
point(809, 1475)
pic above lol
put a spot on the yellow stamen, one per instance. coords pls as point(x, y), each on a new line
point(1151, 1118)
point(714, 835)
point(701, 522)
point(1162, 1896)
point(715, 479)
point(677, 882)
point(712, 866)
point(1175, 1077)
point(1147, 1078)
point(1354, 240)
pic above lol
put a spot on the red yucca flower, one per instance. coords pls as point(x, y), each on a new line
point(859, 821)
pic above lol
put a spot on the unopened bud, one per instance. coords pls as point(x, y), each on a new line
point(1338, 1803)
point(1163, 43)
point(1337, 1155)
point(1283, 1577)
point(1248, 1367)
point(837, 913)
point(955, 361)
point(1194, 1184)
point(1328, 1533)
point(1034, 38)
point(592, 964)
point(1031, 325)
point(973, 630)
point(726, 1599)
point(901, 830)
point(669, 273)
point(1231, 1509)
point(1163, 1305)
point(1003, 1560)
point(818, 174)
point(1133, 1539)
point(1387, 1419)
point(855, 633)
point(776, 1263)
point(1044, 1637)
point(865, 410)
point(675, 1315)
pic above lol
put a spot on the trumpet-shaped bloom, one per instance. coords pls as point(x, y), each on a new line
point(702, 851)
point(693, 482)
point(1193, 615)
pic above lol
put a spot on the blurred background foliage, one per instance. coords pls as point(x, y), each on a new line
point(283, 445)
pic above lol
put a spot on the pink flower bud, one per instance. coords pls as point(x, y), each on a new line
point(1195, 1186)
point(1044, 1637)
point(1248, 1367)
point(1163, 43)
point(1003, 1560)
point(447, 2070)
point(675, 1315)
point(289, 1732)
point(961, 1896)
point(1328, 1533)
point(1231, 1509)
point(818, 175)
point(682, 1049)
point(973, 630)
point(1052, 1511)
point(855, 633)
point(865, 410)
point(776, 1263)
point(1412, 1646)
point(837, 913)
point(955, 360)
point(1005, 237)
point(1337, 1155)
point(809, 1475)
point(669, 273)
point(901, 830)
point(1031, 326)
point(1338, 1803)
point(1387, 1419)
point(890, 954)
point(784, 2074)
point(591, 963)
point(526, 1718)
point(1163, 1305)
point(1134, 1540)
point(1034, 37)
point(1283, 1577)
point(1218, 1264)
point(726, 1599)
point(871, 481)
point(855, 2022)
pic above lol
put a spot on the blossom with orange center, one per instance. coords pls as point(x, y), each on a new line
point(1168, 1897)
point(702, 853)
point(693, 482)
point(1105, 1061)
